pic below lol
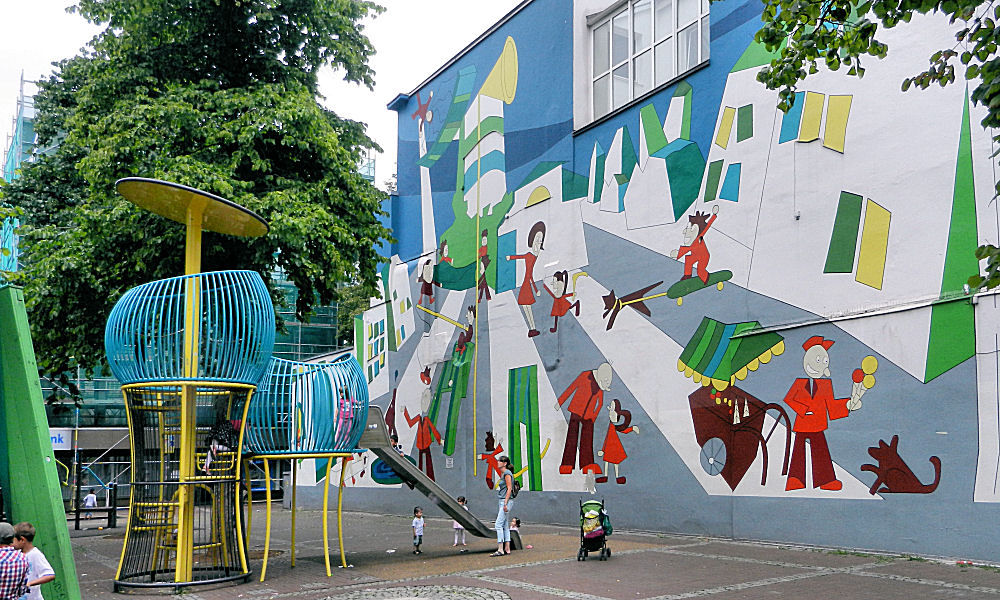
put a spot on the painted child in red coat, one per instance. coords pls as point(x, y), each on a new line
point(613, 452)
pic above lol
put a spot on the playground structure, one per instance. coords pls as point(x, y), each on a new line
point(194, 357)
point(306, 410)
point(189, 352)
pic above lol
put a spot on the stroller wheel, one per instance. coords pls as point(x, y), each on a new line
point(608, 552)
point(581, 555)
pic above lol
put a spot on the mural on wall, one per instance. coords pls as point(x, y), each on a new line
point(893, 475)
point(685, 246)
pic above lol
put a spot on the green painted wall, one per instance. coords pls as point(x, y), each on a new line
point(27, 465)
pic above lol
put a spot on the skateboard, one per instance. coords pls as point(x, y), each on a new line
point(693, 284)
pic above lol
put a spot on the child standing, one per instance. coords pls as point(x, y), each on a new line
point(39, 569)
point(459, 530)
point(418, 528)
point(89, 502)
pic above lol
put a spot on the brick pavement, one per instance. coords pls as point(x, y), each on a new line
point(643, 566)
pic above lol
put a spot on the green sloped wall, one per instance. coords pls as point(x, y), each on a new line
point(27, 464)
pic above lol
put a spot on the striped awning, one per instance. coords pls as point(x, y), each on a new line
point(714, 357)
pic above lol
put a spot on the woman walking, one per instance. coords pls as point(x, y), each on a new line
point(504, 487)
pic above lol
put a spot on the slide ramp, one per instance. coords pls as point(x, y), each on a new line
point(376, 439)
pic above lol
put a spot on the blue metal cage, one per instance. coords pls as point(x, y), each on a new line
point(145, 334)
point(308, 408)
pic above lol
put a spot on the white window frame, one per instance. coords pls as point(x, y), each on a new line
point(601, 74)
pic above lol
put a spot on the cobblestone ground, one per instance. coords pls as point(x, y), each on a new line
point(425, 592)
point(643, 566)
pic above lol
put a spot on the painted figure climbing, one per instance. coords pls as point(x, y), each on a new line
point(425, 429)
point(493, 450)
point(425, 277)
point(812, 400)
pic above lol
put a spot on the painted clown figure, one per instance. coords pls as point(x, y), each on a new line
point(813, 402)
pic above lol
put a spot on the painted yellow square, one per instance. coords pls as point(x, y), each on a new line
point(838, 108)
point(812, 117)
point(874, 246)
point(725, 127)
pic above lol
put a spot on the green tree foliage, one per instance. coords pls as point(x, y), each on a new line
point(840, 33)
point(220, 95)
point(354, 300)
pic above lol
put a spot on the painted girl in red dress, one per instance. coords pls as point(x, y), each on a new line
point(613, 451)
point(560, 298)
point(526, 296)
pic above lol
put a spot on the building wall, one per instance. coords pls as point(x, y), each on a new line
point(854, 218)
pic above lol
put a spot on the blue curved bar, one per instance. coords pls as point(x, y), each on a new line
point(144, 337)
point(307, 408)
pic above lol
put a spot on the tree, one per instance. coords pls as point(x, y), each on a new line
point(354, 300)
point(220, 95)
point(840, 33)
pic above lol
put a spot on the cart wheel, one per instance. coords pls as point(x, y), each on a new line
point(713, 456)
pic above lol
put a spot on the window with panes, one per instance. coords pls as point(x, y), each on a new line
point(643, 45)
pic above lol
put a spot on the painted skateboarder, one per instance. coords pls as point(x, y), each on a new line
point(695, 251)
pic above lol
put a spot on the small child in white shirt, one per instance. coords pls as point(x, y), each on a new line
point(39, 569)
point(459, 530)
point(418, 528)
point(90, 501)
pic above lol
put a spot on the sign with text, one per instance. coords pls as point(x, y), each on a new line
point(62, 438)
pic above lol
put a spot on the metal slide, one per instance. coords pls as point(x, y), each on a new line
point(376, 439)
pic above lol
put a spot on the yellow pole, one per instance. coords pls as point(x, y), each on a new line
point(475, 289)
point(267, 519)
point(242, 543)
point(192, 322)
point(246, 468)
point(295, 471)
point(326, 507)
point(340, 512)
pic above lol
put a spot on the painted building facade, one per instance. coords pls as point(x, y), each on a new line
point(635, 276)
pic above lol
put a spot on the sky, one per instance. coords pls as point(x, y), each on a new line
point(411, 38)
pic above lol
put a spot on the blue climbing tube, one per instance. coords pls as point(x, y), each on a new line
point(144, 337)
point(308, 408)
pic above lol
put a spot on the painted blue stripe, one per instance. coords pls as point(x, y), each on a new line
point(790, 120)
point(720, 350)
point(731, 185)
point(493, 161)
point(506, 269)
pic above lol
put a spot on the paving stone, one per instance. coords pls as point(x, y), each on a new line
point(425, 592)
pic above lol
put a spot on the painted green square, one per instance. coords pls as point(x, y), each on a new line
point(844, 239)
point(714, 175)
point(744, 123)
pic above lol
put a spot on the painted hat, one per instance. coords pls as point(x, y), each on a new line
point(817, 340)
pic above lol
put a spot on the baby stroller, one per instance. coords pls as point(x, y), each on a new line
point(595, 527)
